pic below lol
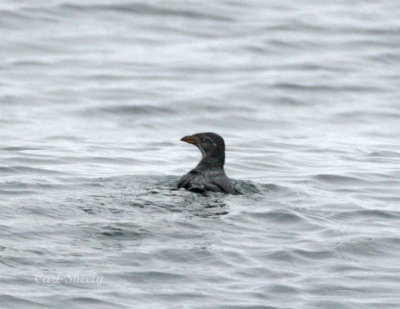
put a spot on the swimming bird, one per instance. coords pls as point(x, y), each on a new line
point(209, 174)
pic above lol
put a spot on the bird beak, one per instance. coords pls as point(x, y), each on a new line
point(188, 139)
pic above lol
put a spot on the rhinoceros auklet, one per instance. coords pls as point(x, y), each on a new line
point(209, 174)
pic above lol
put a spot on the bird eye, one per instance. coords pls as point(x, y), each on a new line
point(203, 139)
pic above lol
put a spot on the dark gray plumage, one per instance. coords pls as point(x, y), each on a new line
point(209, 174)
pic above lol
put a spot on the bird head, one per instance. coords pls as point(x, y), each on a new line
point(210, 144)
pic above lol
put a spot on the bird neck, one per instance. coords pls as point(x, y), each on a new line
point(214, 159)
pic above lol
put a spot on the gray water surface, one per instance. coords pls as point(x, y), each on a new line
point(94, 97)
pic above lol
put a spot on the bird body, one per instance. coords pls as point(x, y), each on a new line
point(209, 174)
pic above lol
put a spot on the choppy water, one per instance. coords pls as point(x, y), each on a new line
point(94, 97)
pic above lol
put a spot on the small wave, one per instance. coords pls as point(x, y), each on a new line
point(147, 9)
point(9, 301)
point(327, 88)
point(17, 192)
point(16, 148)
point(153, 276)
point(127, 110)
point(338, 179)
point(15, 170)
point(249, 187)
point(367, 214)
point(362, 246)
point(92, 301)
point(384, 154)
point(123, 231)
point(277, 216)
